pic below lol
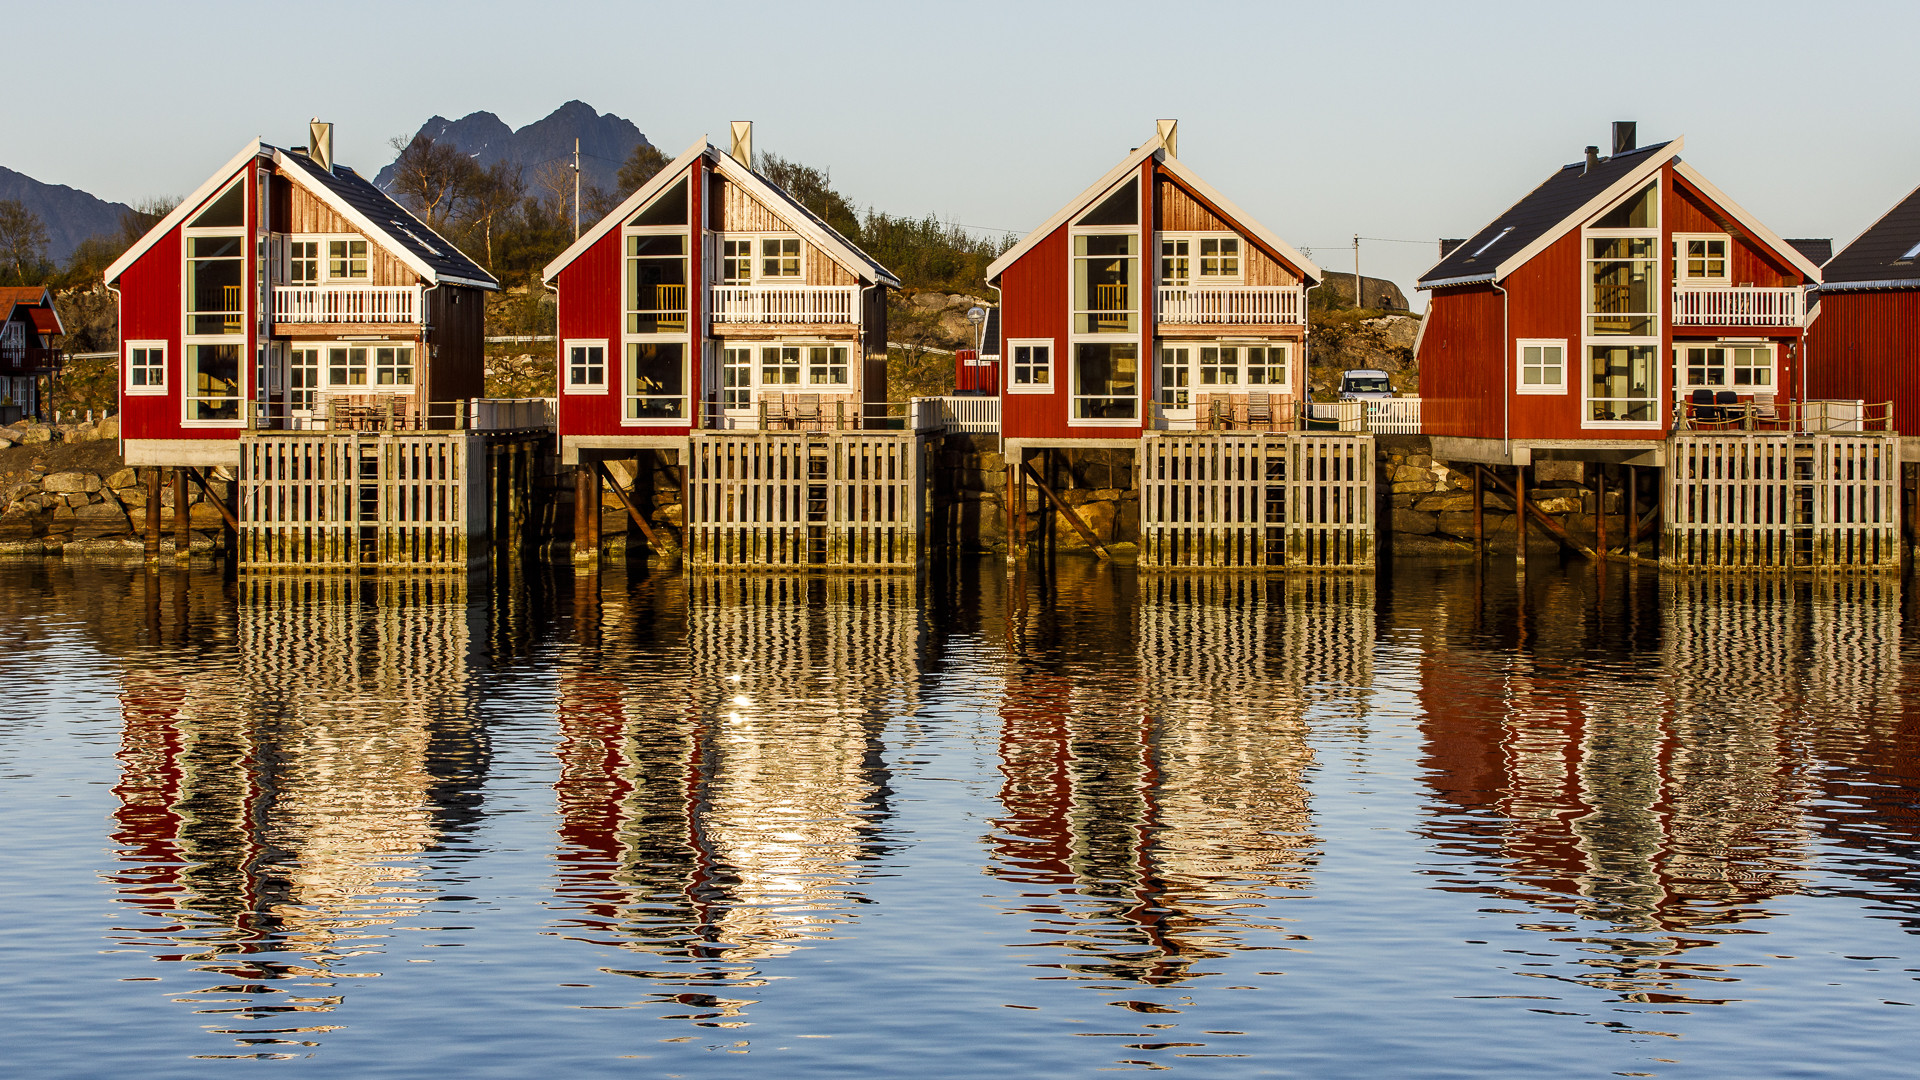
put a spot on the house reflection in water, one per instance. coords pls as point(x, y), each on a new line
point(721, 773)
point(276, 789)
point(1679, 808)
point(1153, 740)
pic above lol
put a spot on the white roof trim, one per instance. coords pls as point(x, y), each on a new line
point(823, 237)
point(1864, 286)
point(1578, 218)
point(1078, 203)
point(180, 213)
point(1751, 223)
point(367, 225)
point(1470, 279)
point(836, 248)
point(631, 205)
point(1242, 219)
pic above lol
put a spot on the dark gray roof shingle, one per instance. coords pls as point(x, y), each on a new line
point(1877, 254)
point(396, 225)
point(1566, 191)
point(1816, 251)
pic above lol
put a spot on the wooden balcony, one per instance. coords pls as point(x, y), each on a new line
point(1740, 306)
point(786, 304)
point(346, 304)
point(1230, 304)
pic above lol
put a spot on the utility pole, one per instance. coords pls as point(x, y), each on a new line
point(1356, 269)
point(576, 196)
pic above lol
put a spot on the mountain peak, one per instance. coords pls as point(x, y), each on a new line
point(605, 140)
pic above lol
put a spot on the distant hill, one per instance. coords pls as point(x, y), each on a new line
point(71, 215)
point(605, 141)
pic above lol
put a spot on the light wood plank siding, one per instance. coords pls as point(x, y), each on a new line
point(741, 212)
point(1248, 501)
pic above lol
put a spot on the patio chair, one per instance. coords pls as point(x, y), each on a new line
point(1259, 409)
point(1727, 404)
point(1703, 410)
point(806, 410)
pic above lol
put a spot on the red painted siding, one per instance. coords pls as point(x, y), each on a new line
point(1034, 304)
point(588, 306)
point(1866, 346)
point(1466, 367)
point(150, 311)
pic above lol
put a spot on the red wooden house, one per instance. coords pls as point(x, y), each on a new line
point(1865, 341)
point(1223, 325)
point(1595, 313)
point(286, 290)
point(29, 355)
point(712, 300)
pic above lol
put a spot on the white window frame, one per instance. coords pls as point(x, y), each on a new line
point(1683, 280)
point(150, 388)
point(1146, 269)
point(752, 241)
point(243, 393)
point(574, 387)
point(1659, 293)
point(326, 258)
point(1684, 386)
point(377, 368)
point(1201, 367)
point(685, 338)
point(1285, 349)
point(1195, 241)
point(746, 393)
point(798, 277)
point(685, 419)
point(1520, 384)
point(318, 261)
point(811, 365)
point(1010, 353)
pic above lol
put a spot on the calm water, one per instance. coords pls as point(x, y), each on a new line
point(642, 826)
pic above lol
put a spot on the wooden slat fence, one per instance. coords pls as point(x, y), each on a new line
point(1760, 502)
point(847, 500)
point(1243, 500)
point(347, 500)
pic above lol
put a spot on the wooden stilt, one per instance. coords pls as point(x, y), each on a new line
point(1520, 514)
point(583, 512)
point(633, 512)
point(1631, 515)
point(182, 520)
point(1479, 515)
point(1601, 501)
point(153, 519)
point(1007, 497)
point(1067, 512)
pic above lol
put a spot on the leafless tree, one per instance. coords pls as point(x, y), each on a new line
point(495, 193)
point(433, 178)
point(23, 240)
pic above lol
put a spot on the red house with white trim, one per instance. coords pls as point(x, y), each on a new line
point(29, 326)
point(710, 299)
point(1865, 342)
point(1596, 312)
point(284, 290)
point(1224, 324)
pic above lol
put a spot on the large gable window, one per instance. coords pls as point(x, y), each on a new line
point(1623, 305)
point(1106, 381)
point(216, 278)
point(656, 387)
point(657, 284)
point(1104, 271)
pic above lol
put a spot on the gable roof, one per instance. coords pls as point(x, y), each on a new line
point(1156, 149)
point(1816, 251)
point(380, 215)
point(804, 221)
point(37, 300)
point(1566, 199)
point(1873, 260)
point(371, 210)
point(1747, 221)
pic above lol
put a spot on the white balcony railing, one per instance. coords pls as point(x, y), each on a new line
point(964, 413)
point(786, 303)
point(346, 303)
point(1229, 304)
point(1743, 306)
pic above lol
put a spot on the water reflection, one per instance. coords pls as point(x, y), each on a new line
point(275, 794)
point(722, 781)
point(1646, 772)
point(1153, 740)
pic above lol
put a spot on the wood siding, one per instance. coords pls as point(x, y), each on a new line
point(1035, 304)
point(1178, 210)
point(1866, 346)
point(1460, 371)
point(1752, 263)
point(305, 213)
point(739, 211)
point(455, 360)
point(588, 305)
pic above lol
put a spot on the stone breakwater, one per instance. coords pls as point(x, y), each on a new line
point(64, 490)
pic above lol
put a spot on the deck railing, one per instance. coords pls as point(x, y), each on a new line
point(1229, 304)
point(399, 413)
point(956, 414)
point(1742, 306)
point(346, 304)
point(786, 304)
point(1764, 417)
point(1390, 416)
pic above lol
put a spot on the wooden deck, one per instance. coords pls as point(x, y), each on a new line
point(1777, 502)
point(840, 500)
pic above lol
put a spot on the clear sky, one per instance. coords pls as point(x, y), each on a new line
point(1394, 120)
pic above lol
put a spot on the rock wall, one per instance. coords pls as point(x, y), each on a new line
point(1097, 484)
point(1428, 504)
point(64, 490)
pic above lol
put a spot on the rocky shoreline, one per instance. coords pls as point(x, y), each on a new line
point(66, 492)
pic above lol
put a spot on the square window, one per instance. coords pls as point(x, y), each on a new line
point(1541, 367)
point(587, 367)
point(780, 257)
point(1030, 366)
point(146, 367)
point(347, 259)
